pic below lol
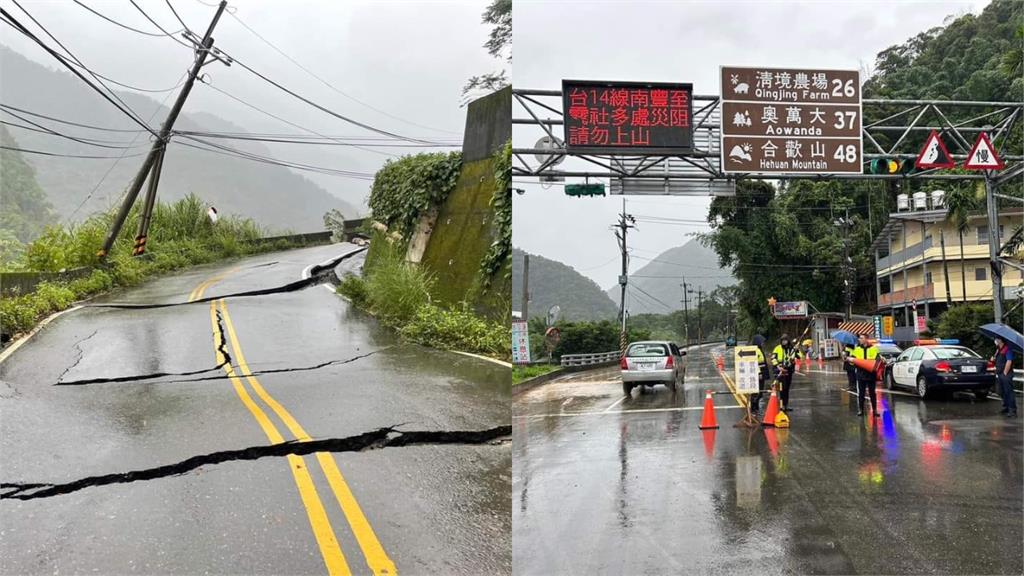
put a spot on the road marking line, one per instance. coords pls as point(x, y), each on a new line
point(741, 400)
point(334, 559)
point(376, 557)
point(198, 291)
point(617, 402)
point(605, 413)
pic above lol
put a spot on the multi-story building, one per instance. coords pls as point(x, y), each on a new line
point(910, 253)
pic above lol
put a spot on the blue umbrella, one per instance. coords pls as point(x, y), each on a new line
point(1004, 333)
point(758, 340)
point(845, 337)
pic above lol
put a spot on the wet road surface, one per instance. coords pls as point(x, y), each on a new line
point(602, 484)
point(190, 397)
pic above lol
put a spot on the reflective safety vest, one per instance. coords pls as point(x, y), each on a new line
point(869, 353)
point(779, 355)
point(760, 357)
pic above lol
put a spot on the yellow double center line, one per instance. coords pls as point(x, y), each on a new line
point(197, 292)
point(334, 559)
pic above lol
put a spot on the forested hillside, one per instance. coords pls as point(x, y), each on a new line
point(24, 209)
point(551, 283)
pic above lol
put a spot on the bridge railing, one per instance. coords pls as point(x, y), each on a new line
point(589, 359)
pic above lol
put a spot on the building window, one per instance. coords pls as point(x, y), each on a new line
point(883, 285)
point(928, 278)
point(982, 234)
point(980, 274)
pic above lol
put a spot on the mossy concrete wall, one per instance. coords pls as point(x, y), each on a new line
point(465, 222)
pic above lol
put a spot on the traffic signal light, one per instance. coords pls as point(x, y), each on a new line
point(892, 166)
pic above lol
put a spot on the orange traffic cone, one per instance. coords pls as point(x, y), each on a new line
point(709, 443)
point(771, 411)
point(708, 420)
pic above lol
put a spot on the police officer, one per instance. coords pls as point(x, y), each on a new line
point(1003, 360)
point(783, 357)
point(865, 378)
point(851, 372)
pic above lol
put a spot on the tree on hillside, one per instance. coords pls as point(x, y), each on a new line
point(24, 208)
point(498, 45)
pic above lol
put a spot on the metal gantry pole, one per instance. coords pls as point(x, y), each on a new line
point(133, 192)
point(996, 270)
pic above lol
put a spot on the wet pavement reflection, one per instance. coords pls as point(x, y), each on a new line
point(608, 484)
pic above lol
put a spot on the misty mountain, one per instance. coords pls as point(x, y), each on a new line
point(276, 197)
point(552, 282)
point(661, 277)
point(24, 209)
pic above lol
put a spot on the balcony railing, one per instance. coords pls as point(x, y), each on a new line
point(908, 295)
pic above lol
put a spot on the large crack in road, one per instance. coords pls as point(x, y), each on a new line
point(387, 437)
point(155, 375)
point(318, 274)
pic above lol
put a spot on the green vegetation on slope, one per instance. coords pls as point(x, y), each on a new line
point(181, 236)
point(401, 295)
point(552, 282)
point(24, 209)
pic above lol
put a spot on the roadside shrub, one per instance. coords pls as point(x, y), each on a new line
point(593, 337)
point(961, 322)
point(458, 329)
point(354, 288)
point(397, 289)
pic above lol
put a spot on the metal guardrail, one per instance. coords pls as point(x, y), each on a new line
point(589, 359)
point(1018, 376)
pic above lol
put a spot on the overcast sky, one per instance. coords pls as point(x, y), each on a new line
point(675, 42)
point(409, 59)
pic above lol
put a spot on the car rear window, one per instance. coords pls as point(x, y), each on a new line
point(953, 353)
point(647, 350)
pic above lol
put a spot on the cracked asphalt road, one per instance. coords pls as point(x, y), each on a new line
point(207, 493)
point(607, 485)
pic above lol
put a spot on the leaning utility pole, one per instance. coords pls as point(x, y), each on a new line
point(844, 223)
point(202, 51)
point(626, 222)
point(686, 314)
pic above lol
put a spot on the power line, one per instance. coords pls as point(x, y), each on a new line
point(159, 27)
point(323, 108)
point(123, 154)
point(45, 153)
point(313, 142)
point(325, 82)
point(45, 130)
point(175, 12)
point(68, 122)
point(652, 297)
point(14, 23)
point(112, 21)
point(259, 158)
point(280, 119)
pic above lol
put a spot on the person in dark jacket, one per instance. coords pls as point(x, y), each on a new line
point(1003, 360)
point(851, 372)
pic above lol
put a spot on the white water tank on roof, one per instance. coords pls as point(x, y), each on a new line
point(920, 200)
point(902, 202)
point(938, 199)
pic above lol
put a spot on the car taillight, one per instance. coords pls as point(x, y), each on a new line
point(669, 363)
point(943, 367)
point(990, 366)
point(623, 364)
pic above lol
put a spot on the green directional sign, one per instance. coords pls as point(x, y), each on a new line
point(584, 189)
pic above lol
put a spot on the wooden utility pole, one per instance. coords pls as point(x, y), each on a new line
point(700, 321)
point(202, 51)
